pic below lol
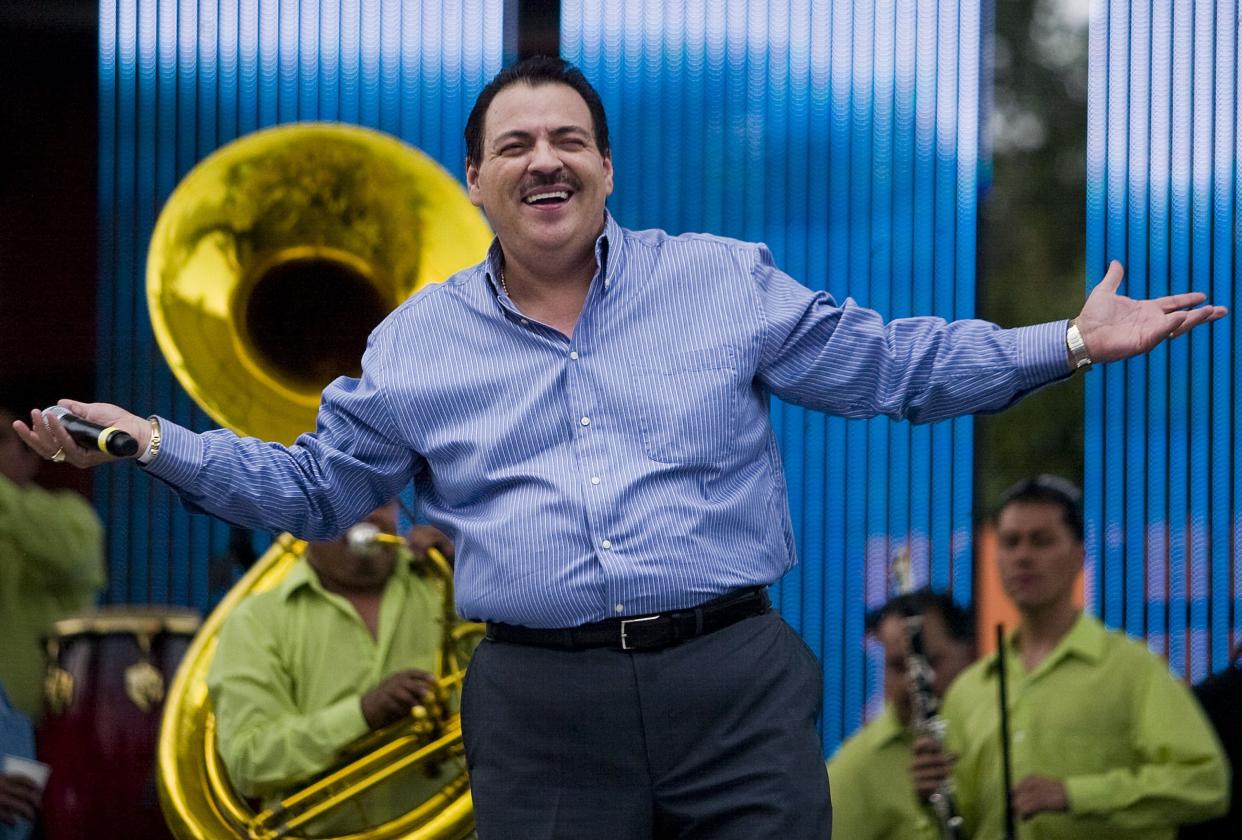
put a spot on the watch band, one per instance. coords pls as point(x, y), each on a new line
point(1079, 358)
point(153, 445)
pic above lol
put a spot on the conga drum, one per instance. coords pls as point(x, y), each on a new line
point(107, 673)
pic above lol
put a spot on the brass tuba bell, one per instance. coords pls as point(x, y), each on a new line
point(269, 266)
point(278, 254)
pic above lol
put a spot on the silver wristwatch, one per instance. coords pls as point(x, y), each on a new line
point(1079, 358)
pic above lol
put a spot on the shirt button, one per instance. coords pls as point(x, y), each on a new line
point(573, 354)
point(605, 544)
point(619, 608)
point(1019, 737)
point(586, 421)
point(595, 479)
point(525, 322)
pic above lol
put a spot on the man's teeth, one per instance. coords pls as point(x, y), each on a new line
point(561, 194)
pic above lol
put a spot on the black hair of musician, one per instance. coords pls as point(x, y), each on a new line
point(959, 620)
point(1049, 490)
point(534, 71)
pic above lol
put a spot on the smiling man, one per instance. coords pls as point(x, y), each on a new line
point(1104, 741)
point(586, 413)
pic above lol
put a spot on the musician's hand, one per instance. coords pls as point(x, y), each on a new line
point(1036, 794)
point(19, 799)
point(931, 766)
point(47, 439)
point(1114, 326)
point(392, 699)
point(422, 537)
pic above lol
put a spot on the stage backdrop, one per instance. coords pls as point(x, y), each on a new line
point(847, 137)
point(179, 78)
point(1163, 479)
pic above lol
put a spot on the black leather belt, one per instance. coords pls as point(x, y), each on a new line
point(644, 632)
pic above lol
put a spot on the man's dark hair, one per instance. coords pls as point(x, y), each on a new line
point(959, 620)
point(1047, 490)
point(534, 71)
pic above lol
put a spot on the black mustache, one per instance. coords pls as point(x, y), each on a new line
point(553, 180)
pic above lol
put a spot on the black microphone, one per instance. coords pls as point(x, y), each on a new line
point(90, 435)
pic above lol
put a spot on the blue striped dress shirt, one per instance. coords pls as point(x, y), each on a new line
point(628, 469)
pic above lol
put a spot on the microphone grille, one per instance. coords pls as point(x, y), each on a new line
point(57, 411)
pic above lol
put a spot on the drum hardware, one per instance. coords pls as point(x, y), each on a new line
point(143, 683)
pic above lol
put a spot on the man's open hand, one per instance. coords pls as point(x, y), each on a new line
point(1116, 327)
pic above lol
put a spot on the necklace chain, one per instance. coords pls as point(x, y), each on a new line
point(503, 284)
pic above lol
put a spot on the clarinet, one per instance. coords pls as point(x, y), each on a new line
point(926, 720)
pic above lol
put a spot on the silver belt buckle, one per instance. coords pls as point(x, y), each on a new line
point(625, 644)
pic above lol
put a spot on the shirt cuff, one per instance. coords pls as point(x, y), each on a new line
point(1088, 794)
point(180, 457)
point(1042, 354)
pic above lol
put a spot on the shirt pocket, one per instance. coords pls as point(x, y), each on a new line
point(687, 405)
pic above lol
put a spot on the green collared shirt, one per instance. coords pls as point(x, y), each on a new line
point(1102, 714)
point(872, 795)
point(289, 674)
point(51, 565)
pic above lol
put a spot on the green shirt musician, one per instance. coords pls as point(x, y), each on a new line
point(1104, 742)
point(343, 646)
point(872, 798)
point(51, 565)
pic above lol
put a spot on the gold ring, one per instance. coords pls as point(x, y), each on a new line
point(58, 456)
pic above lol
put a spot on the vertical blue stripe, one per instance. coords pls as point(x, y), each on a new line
point(945, 253)
point(1200, 341)
point(1179, 351)
point(879, 256)
point(968, 195)
point(921, 476)
point(1156, 513)
point(329, 44)
point(110, 20)
point(1224, 268)
point(1133, 517)
point(1114, 383)
point(1093, 432)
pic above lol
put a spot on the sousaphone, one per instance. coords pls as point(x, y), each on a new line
point(269, 266)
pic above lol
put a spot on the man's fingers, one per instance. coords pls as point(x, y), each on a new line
point(1172, 303)
point(1183, 322)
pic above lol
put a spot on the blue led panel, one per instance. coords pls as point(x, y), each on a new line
point(178, 79)
point(846, 135)
point(1163, 490)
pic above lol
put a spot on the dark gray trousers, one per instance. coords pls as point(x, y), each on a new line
point(714, 738)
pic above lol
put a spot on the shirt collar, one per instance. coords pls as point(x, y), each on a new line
point(608, 247)
point(1084, 640)
point(302, 575)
